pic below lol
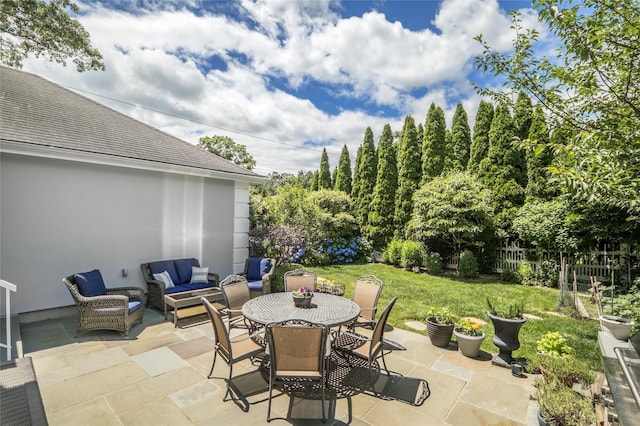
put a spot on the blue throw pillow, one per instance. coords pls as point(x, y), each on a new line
point(183, 267)
point(90, 284)
point(265, 266)
point(254, 268)
point(165, 265)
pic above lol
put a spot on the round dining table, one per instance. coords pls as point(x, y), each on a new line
point(326, 309)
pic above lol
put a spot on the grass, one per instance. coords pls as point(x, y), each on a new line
point(418, 292)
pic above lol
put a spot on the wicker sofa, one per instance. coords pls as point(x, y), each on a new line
point(180, 272)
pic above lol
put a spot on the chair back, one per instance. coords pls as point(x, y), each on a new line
point(235, 290)
point(365, 294)
point(297, 348)
point(378, 330)
point(223, 342)
point(298, 278)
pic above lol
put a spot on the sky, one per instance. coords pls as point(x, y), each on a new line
point(287, 78)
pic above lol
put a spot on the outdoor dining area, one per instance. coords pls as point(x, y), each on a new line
point(307, 355)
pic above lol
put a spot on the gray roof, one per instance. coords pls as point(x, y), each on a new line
point(36, 111)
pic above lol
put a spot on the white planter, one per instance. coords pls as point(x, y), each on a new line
point(616, 327)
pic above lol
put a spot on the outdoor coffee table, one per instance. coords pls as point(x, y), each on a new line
point(327, 309)
point(187, 303)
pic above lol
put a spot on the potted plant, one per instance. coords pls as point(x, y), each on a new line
point(554, 358)
point(302, 297)
point(440, 323)
point(507, 322)
point(469, 336)
point(560, 405)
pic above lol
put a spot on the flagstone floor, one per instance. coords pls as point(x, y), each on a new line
point(158, 376)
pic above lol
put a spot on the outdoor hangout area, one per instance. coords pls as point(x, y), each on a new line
point(359, 345)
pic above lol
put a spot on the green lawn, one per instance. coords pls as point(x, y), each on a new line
point(418, 292)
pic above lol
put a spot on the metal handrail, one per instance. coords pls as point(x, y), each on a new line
point(8, 288)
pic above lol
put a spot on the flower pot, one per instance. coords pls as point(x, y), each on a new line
point(541, 420)
point(440, 334)
point(616, 327)
point(302, 302)
point(469, 345)
point(505, 338)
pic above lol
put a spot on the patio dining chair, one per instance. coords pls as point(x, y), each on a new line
point(298, 354)
point(366, 293)
point(368, 348)
point(298, 278)
point(231, 350)
point(236, 293)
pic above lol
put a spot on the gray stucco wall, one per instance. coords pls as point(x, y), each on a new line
point(58, 217)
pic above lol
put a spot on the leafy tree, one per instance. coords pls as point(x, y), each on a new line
point(225, 147)
point(433, 145)
point(315, 178)
point(459, 148)
point(324, 176)
point(45, 28)
point(366, 178)
point(409, 164)
point(480, 143)
point(454, 209)
point(548, 225)
point(380, 224)
point(538, 184)
point(522, 115)
point(590, 85)
point(499, 171)
point(343, 174)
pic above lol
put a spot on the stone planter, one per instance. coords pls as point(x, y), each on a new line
point(616, 327)
point(505, 338)
point(440, 334)
point(469, 345)
point(302, 302)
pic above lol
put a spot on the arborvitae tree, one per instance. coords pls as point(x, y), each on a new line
point(342, 181)
point(324, 178)
point(499, 171)
point(433, 145)
point(409, 163)
point(537, 175)
point(367, 179)
point(480, 143)
point(448, 148)
point(458, 149)
point(419, 132)
point(522, 116)
point(355, 185)
point(314, 180)
point(380, 228)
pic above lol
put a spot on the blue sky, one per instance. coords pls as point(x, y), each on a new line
point(287, 78)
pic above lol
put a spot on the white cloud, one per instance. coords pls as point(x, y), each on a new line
point(156, 58)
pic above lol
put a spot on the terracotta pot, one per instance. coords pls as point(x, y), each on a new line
point(469, 345)
point(440, 334)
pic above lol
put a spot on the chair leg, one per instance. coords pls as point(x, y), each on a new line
point(228, 383)
point(215, 354)
point(270, 397)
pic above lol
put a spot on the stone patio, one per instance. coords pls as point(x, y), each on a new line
point(158, 375)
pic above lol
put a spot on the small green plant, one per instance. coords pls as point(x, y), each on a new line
point(412, 255)
point(562, 406)
point(468, 265)
point(547, 274)
point(441, 316)
point(525, 273)
point(434, 262)
point(513, 310)
point(555, 359)
point(469, 327)
point(393, 253)
point(553, 344)
point(509, 276)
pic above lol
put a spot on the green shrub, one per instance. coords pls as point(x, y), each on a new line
point(412, 255)
point(468, 265)
point(393, 253)
point(509, 276)
point(547, 274)
point(434, 262)
point(525, 273)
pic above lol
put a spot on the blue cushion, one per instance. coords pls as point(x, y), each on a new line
point(257, 268)
point(134, 305)
point(183, 267)
point(165, 265)
point(197, 286)
point(255, 285)
point(90, 283)
point(176, 289)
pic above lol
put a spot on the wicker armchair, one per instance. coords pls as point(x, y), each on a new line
point(259, 272)
point(117, 309)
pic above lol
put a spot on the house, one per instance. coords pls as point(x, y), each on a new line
point(83, 186)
